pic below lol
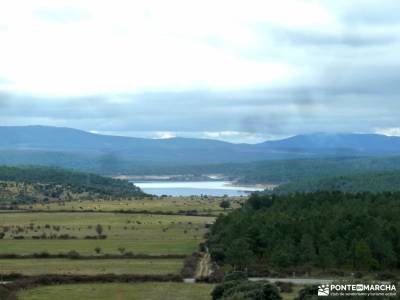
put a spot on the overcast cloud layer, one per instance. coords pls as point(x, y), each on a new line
point(242, 71)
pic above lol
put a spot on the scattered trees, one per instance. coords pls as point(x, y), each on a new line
point(99, 229)
point(225, 204)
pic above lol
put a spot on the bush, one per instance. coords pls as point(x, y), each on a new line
point(43, 254)
point(386, 276)
point(217, 292)
point(190, 265)
point(285, 287)
point(236, 286)
point(216, 276)
point(66, 236)
point(95, 237)
point(255, 290)
point(6, 294)
point(237, 275)
point(73, 254)
point(308, 293)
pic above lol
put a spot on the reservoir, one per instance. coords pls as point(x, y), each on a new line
point(194, 188)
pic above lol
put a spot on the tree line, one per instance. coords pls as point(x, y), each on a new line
point(324, 229)
point(361, 182)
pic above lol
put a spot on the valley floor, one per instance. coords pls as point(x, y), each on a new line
point(99, 237)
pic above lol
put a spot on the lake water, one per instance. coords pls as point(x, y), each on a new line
point(189, 188)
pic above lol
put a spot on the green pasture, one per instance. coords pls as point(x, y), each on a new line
point(91, 266)
point(203, 205)
point(137, 233)
point(120, 291)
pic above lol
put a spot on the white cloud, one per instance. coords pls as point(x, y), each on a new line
point(228, 136)
point(67, 48)
point(164, 135)
point(394, 131)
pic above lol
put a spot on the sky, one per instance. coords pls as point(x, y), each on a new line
point(239, 71)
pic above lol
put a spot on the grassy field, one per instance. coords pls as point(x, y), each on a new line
point(115, 291)
point(138, 233)
point(109, 246)
point(90, 267)
point(57, 232)
point(165, 204)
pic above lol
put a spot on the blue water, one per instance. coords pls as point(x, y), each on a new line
point(194, 188)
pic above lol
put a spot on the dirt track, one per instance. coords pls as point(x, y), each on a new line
point(203, 269)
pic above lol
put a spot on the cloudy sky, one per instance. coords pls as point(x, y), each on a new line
point(242, 71)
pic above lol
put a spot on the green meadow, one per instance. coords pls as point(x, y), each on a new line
point(137, 233)
point(90, 266)
point(202, 205)
point(65, 227)
point(120, 291)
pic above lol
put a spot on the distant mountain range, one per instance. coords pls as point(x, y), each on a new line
point(78, 149)
point(351, 143)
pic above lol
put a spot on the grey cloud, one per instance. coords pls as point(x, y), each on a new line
point(353, 86)
point(350, 38)
point(284, 112)
point(370, 12)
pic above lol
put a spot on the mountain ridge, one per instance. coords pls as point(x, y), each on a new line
point(24, 144)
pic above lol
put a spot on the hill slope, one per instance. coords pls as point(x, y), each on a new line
point(364, 182)
point(30, 184)
point(345, 143)
point(292, 170)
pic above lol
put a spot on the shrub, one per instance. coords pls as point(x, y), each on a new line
point(216, 276)
point(358, 275)
point(386, 276)
point(308, 293)
point(237, 286)
point(66, 236)
point(6, 294)
point(43, 254)
point(253, 290)
point(285, 287)
point(73, 254)
point(237, 275)
point(190, 265)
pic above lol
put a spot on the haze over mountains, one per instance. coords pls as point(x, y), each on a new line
point(78, 149)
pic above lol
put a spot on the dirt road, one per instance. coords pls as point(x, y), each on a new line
point(204, 269)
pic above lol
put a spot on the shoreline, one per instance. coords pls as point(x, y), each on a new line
point(264, 186)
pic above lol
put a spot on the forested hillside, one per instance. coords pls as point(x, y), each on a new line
point(30, 184)
point(284, 171)
point(363, 182)
point(324, 230)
